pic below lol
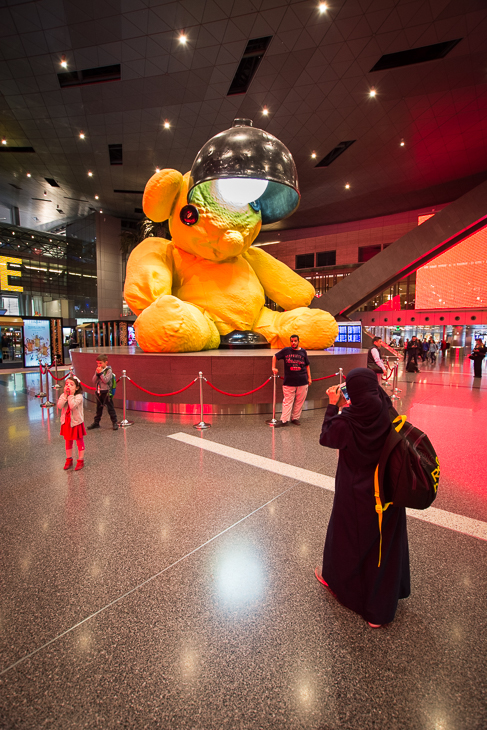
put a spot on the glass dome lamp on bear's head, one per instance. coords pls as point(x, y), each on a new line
point(248, 167)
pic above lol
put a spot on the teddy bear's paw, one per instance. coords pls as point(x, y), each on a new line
point(171, 325)
point(316, 329)
point(213, 342)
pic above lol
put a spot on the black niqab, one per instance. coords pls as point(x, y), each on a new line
point(368, 414)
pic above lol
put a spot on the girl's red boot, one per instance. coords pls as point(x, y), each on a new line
point(79, 464)
point(68, 464)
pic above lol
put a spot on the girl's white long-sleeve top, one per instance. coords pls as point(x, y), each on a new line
point(75, 403)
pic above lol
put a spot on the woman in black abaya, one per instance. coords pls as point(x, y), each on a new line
point(351, 555)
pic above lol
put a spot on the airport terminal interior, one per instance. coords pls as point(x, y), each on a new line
point(170, 582)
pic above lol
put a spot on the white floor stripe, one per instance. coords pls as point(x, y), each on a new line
point(452, 521)
point(278, 467)
point(458, 523)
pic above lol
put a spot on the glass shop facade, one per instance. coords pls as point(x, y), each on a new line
point(43, 276)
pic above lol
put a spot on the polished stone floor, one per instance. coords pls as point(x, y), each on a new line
point(167, 585)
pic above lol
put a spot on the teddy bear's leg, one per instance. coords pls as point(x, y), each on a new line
point(171, 325)
point(316, 329)
point(267, 324)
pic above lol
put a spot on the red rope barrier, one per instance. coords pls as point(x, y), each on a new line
point(86, 386)
point(162, 395)
point(238, 395)
point(54, 377)
point(325, 377)
point(389, 376)
point(315, 380)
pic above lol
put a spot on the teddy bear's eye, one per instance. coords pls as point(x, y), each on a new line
point(189, 215)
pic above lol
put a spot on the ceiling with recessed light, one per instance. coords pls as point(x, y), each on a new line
point(107, 87)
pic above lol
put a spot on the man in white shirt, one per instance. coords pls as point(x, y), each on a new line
point(374, 361)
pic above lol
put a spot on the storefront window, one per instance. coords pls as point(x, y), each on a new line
point(11, 345)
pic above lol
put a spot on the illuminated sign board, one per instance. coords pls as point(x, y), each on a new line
point(456, 278)
point(5, 272)
point(37, 342)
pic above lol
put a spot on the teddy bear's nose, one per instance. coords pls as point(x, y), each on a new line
point(233, 242)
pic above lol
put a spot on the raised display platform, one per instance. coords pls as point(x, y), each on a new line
point(234, 372)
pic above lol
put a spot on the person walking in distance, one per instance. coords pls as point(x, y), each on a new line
point(477, 356)
point(412, 352)
point(297, 378)
point(102, 380)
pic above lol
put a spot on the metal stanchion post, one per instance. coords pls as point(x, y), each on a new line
point(56, 385)
point(201, 425)
point(394, 383)
point(41, 393)
point(48, 403)
point(124, 422)
point(340, 372)
point(386, 383)
point(272, 421)
point(396, 389)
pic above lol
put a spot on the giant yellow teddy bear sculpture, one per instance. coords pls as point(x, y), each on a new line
point(209, 281)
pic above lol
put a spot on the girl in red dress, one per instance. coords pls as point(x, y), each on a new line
point(72, 420)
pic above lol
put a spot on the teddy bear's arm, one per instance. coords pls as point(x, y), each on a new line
point(149, 273)
point(281, 284)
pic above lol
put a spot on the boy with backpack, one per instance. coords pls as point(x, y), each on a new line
point(103, 381)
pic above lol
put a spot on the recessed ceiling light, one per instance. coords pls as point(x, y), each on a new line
point(101, 211)
point(265, 111)
point(157, 169)
point(322, 7)
point(64, 63)
point(313, 155)
point(372, 92)
point(4, 141)
point(166, 124)
point(29, 175)
point(97, 197)
point(90, 174)
point(81, 135)
point(402, 143)
point(347, 186)
point(182, 38)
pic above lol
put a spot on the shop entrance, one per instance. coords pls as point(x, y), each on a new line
point(11, 346)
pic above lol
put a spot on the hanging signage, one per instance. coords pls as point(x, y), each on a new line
point(37, 342)
point(5, 272)
point(350, 333)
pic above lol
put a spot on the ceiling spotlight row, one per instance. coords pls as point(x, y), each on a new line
point(402, 143)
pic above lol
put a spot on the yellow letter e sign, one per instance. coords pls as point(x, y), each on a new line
point(6, 272)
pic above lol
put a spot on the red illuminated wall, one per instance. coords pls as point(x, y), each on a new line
point(456, 278)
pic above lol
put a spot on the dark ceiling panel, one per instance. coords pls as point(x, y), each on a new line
point(415, 55)
point(338, 150)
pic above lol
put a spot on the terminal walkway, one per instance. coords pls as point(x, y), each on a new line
point(169, 584)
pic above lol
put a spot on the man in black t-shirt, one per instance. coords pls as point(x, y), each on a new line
point(297, 377)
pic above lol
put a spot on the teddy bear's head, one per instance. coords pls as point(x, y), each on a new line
point(208, 227)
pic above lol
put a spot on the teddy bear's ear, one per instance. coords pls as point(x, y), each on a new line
point(160, 194)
